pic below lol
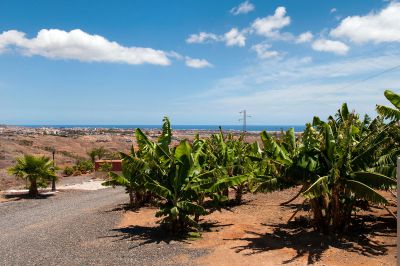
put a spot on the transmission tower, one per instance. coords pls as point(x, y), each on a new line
point(244, 119)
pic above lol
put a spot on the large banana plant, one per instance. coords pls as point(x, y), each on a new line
point(185, 184)
point(347, 157)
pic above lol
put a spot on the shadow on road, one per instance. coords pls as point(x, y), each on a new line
point(15, 197)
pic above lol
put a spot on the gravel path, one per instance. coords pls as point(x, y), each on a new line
point(78, 228)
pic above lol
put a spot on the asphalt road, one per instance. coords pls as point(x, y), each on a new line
point(78, 228)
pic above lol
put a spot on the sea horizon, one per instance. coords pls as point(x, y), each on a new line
point(250, 128)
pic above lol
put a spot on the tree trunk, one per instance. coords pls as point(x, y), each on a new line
point(226, 192)
point(318, 217)
point(147, 197)
point(53, 184)
point(200, 203)
point(139, 198)
point(131, 199)
point(239, 194)
point(33, 190)
point(337, 210)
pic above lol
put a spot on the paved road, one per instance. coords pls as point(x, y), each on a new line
point(76, 228)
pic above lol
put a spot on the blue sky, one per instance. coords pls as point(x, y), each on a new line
point(199, 62)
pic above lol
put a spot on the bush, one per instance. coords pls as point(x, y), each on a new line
point(84, 166)
point(68, 171)
point(105, 167)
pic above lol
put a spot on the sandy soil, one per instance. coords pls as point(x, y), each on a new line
point(257, 233)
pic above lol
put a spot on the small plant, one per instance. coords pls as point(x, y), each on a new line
point(68, 171)
point(105, 167)
point(83, 167)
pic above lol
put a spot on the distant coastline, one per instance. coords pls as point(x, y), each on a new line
point(250, 128)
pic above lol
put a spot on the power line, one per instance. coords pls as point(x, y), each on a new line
point(338, 70)
point(370, 77)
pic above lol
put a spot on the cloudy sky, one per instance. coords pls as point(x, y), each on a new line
point(199, 62)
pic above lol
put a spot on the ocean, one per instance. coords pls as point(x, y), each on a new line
point(256, 128)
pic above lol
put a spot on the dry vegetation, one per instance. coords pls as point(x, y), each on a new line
point(68, 149)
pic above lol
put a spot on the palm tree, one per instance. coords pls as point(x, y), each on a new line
point(101, 152)
point(34, 169)
point(92, 154)
point(390, 112)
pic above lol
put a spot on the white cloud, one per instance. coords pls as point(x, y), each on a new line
point(202, 37)
point(383, 26)
point(243, 8)
point(333, 10)
point(263, 52)
point(269, 26)
point(79, 45)
point(304, 37)
point(337, 47)
point(234, 37)
point(297, 89)
point(197, 63)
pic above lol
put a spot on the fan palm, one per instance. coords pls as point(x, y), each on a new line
point(34, 169)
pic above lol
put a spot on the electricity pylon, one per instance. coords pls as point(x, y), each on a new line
point(244, 119)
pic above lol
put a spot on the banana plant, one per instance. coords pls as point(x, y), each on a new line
point(392, 113)
point(186, 183)
point(177, 206)
point(228, 156)
point(133, 178)
point(345, 176)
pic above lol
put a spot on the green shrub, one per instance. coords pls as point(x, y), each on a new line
point(84, 166)
point(105, 167)
point(68, 171)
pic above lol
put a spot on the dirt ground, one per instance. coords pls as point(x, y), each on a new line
point(258, 233)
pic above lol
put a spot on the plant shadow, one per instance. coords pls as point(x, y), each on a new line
point(228, 205)
point(308, 242)
point(144, 235)
point(123, 207)
point(20, 196)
